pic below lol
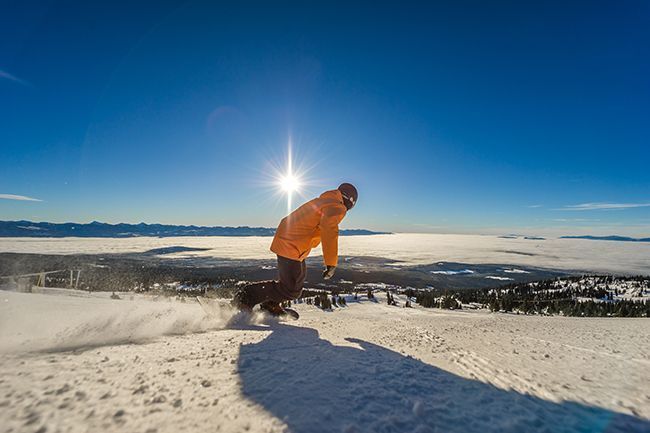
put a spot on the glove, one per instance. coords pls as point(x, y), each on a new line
point(328, 272)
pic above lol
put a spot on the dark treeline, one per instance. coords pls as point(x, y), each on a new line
point(593, 296)
point(430, 300)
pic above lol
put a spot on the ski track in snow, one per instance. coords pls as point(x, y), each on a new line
point(368, 367)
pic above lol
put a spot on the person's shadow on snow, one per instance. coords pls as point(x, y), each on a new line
point(315, 386)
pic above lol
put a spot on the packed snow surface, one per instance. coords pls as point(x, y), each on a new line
point(411, 249)
point(78, 364)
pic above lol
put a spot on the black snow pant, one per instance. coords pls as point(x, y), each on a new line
point(291, 274)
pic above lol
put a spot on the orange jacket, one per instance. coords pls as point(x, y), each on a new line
point(304, 228)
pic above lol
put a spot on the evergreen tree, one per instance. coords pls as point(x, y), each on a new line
point(325, 302)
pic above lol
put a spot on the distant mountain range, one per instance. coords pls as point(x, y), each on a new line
point(103, 230)
point(608, 238)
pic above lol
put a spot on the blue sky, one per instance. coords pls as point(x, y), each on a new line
point(453, 117)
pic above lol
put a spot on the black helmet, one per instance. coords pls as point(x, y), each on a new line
point(350, 195)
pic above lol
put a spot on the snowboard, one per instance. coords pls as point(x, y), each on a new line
point(288, 313)
point(208, 306)
point(285, 313)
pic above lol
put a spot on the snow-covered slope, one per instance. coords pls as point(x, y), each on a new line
point(365, 367)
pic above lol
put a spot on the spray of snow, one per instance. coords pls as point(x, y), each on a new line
point(55, 323)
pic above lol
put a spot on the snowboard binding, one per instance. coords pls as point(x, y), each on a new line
point(276, 310)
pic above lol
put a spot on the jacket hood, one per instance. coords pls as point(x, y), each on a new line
point(334, 194)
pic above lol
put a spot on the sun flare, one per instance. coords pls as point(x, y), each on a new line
point(287, 178)
point(289, 183)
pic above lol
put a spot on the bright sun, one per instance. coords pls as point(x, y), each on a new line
point(289, 183)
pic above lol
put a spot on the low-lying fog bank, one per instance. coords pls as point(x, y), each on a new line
point(408, 249)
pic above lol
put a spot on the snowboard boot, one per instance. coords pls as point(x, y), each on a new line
point(273, 308)
point(276, 310)
point(241, 301)
point(252, 294)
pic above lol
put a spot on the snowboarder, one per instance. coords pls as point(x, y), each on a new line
point(312, 223)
